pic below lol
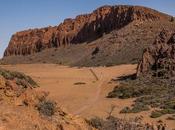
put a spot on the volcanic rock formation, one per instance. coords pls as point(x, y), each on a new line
point(84, 28)
point(159, 59)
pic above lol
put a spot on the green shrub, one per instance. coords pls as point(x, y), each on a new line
point(6, 74)
point(170, 104)
point(167, 111)
point(159, 113)
point(156, 114)
point(135, 109)
point(123, 92)
point(125, 110)
point(149, 92)
point(139, 107)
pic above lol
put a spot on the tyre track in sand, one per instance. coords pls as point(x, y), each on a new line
point(96, 96)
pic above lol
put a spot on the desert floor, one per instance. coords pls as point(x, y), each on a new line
point(83, 91)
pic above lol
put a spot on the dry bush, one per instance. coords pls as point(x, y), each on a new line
point(113, 123)
point(47, 108)
point(19, 77)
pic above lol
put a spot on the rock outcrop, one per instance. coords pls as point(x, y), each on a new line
point(84, 28)
point(159, 59)
point(24, 108)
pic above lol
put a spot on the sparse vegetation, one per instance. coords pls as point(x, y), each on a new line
point(47, 108)
point(113, 123)
point(21, 83)
point(159, 113)
point(135, 108)
point(156, 114)
point(20, 78)
point(149, 92)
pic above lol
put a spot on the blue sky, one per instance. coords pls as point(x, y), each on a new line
point(17, 15)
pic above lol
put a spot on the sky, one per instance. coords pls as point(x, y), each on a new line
point(18, 15)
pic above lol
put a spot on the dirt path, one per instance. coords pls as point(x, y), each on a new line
point(95, 98)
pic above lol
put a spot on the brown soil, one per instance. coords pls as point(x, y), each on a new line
point(88, 97)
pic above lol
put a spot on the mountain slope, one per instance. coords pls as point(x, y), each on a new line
point(109, 35)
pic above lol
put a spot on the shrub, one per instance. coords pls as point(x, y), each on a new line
point(122, 92)
point(19, 77)
point(139, 107)
point(135, 109)
point(169, 104)
point(126, 90)
point(96, 122)
point(47, 108)
point(6, 74)
point(125, 110)
point(159, 113)
point(21, 83)
point(149, 92)
point(156, 114)
point(113, 123)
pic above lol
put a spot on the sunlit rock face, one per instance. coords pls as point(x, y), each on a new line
point(84, 28)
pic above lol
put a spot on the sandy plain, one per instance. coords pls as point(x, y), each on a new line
point(83, 91)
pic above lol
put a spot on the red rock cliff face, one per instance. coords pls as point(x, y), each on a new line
point(159, 59)
point(84, 28)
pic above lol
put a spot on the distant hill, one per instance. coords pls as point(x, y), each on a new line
point(109, 35)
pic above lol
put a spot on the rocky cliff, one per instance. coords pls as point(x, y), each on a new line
point(84, 28)
point(159, 59)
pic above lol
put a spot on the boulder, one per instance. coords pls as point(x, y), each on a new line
point(159, 59)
